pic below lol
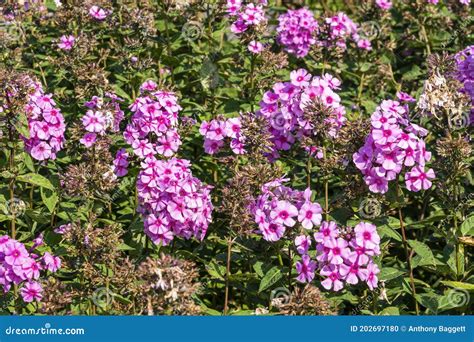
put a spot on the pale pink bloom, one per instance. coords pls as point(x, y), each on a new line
point(310, 214)
point(66, 42)
point(31, 291)
point(88, 139)
point(284, 213)
point(97, 13)
point(255, 47)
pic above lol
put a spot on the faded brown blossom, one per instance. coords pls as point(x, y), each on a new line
point(441, 97)
point(93, 175)
point(304, 301)
point(167, 286)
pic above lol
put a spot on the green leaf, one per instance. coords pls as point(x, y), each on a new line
point(36, 179)
point(425, 253)
point(216, 271)
point(390, 311)
point(258, 269)
point(272, 276)
point(389, 273)
point(459, 285)
point(125, 247)
point(49, 198)
point(388, 231)
point(21, 124)
point(467, 227)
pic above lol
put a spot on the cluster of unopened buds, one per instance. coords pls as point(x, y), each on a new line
point(343, 255)
point(20, 266)
point(172, 201)
point(394, 142)
point(216, 131)
point(278, 208)
point(104, 114)
point(284, 108)
point(46, 125)
point(245, 15)
point(153, 127)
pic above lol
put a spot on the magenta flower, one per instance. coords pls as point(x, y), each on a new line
point(300, 78)
point(41, 151)
point(310, 214)
point(369, 275)
point(14, 253)
point(97, 13)
point(88, 139)
point(121, 163)
point(327, 231)
point(51, 262)
point(94, 121)
point(351, 273)
point(284, 213)
point(366, 235)
point(255, 47)
point(338, 251)
point(418, 179)
point(386, 134)
point(305, 269)
point(302, 244)
point(272, 231)
point(31, 291)
point(66, 42)
point(333, 280)
point(384, 4)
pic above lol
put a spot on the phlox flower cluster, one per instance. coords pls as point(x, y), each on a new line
point(217, 131)
point(172, 201)
point(343, 255)
point(465, 74)
point(297, 31)
point(342, 28)
point(20, 266)
point(46, 125)
point(153, 127)
point(104, 114)
point(245, 15)
point(394, 142)
point(278, 208)
point(285, 105)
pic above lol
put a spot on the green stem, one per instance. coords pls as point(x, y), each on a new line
point(407, 252)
